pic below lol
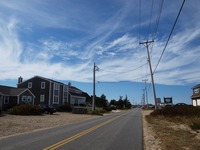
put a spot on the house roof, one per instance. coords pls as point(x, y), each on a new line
point(195, 95)
point(47, 79)
point(196, 86)
point(12, 91)
point(75, 91)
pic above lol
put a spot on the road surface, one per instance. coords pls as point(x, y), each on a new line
point(117, 131)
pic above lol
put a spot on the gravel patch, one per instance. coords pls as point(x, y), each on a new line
point(13, 124)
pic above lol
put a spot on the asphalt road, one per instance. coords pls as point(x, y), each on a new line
point(117, 131)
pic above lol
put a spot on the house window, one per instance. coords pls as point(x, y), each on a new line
point(196, 91)
point(6, 100)
point(65, 88)
point(42, 85)
point(23, 98)
point(41, 98)
point(56, 86)
point(29, 99)
point(55, 100)
point(29, 85)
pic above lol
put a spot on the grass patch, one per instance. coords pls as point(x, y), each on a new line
point(171, 135)
point(174, 128)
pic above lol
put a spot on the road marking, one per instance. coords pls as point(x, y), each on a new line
point(63, 142)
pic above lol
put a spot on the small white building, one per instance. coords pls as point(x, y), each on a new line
point(196, 95)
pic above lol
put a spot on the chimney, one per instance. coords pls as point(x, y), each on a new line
point(20, 79)
point(69, 84)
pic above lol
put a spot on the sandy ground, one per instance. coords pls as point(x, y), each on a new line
point(11, 125)
point(150, 143)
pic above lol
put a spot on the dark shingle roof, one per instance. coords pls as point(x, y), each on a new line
point(11, 91)
point(47, 79)
point(196, 86)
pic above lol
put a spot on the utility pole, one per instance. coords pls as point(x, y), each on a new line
point(94, 95)
point(143, 98)
point(146, 44)
point(145, 88)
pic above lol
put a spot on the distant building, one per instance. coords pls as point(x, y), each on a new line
point(46, 91)
point(12, 96)
point(51, 92)
point(196, 95)
point(76, 96)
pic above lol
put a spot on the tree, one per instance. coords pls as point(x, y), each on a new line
point(120, 103)
point(104, 101)
point(127, 103)
point(101, 101)
point(113, 102)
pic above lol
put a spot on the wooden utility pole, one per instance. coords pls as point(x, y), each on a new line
point(146, 44)
point(94, 95)
point(145, 88)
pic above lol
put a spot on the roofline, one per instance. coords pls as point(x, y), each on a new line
point(76, 95)
point(25, 91)
point(196, 86)
point(49, 80)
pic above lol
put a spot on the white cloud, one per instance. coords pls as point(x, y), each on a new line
point(117, 54)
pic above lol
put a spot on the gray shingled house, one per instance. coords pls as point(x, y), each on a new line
point(11, 96)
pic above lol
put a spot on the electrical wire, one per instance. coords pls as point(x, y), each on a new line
point(169, 36)
point(157, 23)
point(152, 6)
point(158, 18)
point(123, 71)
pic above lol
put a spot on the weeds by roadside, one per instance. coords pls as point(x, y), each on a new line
point(176, 128)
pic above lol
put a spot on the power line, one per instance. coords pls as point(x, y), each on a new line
point(169, 36)
point(127, 71)
point(157, 23)
point(152, 5)
point(158, 18)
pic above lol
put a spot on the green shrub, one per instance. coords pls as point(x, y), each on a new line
point(107, 108)
point(65, 108)
point(195, 126)
point(178, 111)
point(96, 112)
point(79, 110)
point(25, 109)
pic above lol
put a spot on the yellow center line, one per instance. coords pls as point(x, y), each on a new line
point(65, 141)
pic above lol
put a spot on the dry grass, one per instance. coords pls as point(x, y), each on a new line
point(14, 124)
point(175, 133)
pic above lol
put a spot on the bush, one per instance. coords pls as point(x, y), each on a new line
point(107, 108)
point(178, 111)
point(99, 112)
point(65, 108)
point(25, 109)
point(195, 126)
point(79, 110)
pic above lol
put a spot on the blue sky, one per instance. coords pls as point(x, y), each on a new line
point(61, 40)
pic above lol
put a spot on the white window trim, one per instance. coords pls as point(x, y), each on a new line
point(29, 99)
point(23, 98)
point(54, 99)
point(42, 97)
point(42, 85)
point(29, 84)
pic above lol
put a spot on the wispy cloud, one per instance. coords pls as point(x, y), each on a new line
point(63, 44)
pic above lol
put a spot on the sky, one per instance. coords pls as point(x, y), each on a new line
point(62, 39)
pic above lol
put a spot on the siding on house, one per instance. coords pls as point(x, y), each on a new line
point(46, 91)
point(196, 95)
point(51, 92)
point(11, 96)
point(1, 104)
point(76, 96)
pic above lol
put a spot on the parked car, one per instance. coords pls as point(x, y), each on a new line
point(181, 104)
point(49, 109)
